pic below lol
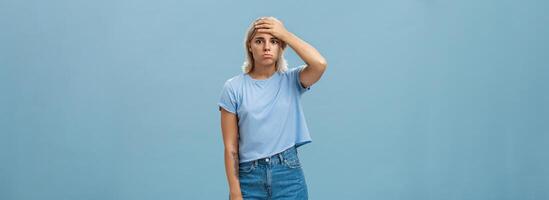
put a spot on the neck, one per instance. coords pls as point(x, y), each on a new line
point(262, 71)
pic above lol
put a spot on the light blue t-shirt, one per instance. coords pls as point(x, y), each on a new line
point(270, 116)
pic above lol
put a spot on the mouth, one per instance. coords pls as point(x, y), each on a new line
point(267, 56)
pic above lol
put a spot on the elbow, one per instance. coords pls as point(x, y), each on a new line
point(231, 149)
point(322, 64)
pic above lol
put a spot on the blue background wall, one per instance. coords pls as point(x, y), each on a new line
point(423, 99)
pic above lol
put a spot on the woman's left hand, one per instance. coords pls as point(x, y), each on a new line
point(272, 26)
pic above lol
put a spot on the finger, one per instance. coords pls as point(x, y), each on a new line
point(262, 23)
point(266, 20)
point(268, 26)
point(263, 30)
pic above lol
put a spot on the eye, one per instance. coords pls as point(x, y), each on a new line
point(258, 41)
point(274, 41)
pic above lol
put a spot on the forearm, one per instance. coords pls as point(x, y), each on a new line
point(305, 51)
point(231, 169)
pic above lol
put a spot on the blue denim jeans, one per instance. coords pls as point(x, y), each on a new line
point(276, 177)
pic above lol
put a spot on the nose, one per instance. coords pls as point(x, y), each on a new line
point(267, 46)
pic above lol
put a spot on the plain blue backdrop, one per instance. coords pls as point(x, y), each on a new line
point(422, 99)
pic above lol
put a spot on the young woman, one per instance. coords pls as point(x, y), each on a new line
point(262, 121)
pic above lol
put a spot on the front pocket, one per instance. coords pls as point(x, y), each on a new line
point(246, 168)
point(292, 163)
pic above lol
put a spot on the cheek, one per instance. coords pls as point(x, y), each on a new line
point(277, 51)
point(256, 48)
point(253, 50)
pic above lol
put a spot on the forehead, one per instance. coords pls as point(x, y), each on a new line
point(265, 36)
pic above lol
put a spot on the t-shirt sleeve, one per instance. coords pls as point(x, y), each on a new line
point(227, 99)
point(295, 72)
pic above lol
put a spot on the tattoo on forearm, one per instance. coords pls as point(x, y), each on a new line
point(235, 162)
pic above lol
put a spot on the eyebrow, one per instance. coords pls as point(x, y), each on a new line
point(273, 38)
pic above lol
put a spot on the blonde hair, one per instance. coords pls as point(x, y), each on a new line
point(281, 64)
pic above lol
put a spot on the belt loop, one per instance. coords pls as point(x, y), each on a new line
point(281, 158)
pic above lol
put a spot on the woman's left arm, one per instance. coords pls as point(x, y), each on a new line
point(316, 64)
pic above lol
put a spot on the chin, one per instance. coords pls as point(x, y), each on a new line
point(268, 62)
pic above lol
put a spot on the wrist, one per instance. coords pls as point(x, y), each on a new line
point(286, 37)
point(235, 195)
point(235, 192)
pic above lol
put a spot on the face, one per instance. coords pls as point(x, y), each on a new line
point(265, 49)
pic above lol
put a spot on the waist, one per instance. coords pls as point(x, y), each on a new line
point(276, 158)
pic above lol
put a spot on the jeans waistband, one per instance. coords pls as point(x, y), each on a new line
point(276, 158)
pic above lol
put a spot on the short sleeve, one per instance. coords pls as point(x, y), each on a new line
point(227, 99)
point(295, 73)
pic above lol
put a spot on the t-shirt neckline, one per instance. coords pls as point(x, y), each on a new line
point(262, 80)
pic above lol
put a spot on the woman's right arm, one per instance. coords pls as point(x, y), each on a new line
point(229, 129)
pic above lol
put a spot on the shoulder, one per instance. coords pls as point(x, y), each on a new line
point(292, 72)
point(295, 70)
point(234, 81)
